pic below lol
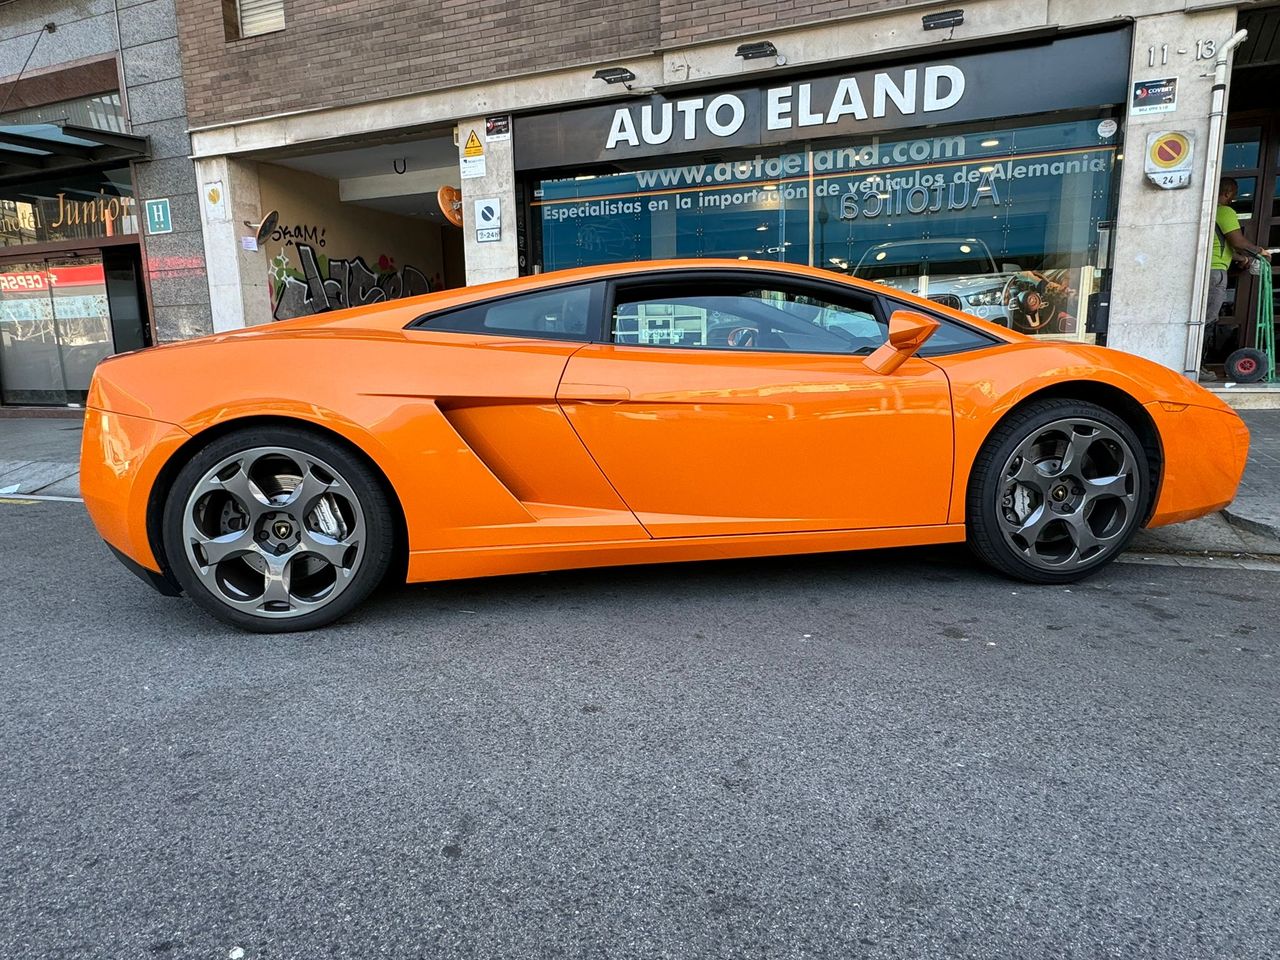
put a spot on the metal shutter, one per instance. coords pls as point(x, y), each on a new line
point(260, 16)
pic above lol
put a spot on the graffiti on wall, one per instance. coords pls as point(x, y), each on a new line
point(298, 233)
point(329, 283)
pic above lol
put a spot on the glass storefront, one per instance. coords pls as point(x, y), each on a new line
point(72, 290)
point(63, 310)
point(942, 177)
point(1009, 223)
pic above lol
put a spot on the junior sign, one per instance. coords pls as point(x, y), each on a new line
point(1076, 71)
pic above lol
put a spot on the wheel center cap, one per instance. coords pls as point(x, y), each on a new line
point(1059, 493)
point(282, 529)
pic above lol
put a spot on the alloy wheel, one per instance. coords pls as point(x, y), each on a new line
point(1068, 494)
point(274, 532)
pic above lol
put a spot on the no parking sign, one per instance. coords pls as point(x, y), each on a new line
point(1169, 155)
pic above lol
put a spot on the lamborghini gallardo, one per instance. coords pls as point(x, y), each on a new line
point(634, 413)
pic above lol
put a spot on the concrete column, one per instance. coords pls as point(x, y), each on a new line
point(1157, 231)
point(498, 259)
point(238, 290)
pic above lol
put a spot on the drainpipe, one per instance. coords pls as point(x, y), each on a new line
point(1208, 207)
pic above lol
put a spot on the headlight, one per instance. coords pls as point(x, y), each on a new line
point(986, 298)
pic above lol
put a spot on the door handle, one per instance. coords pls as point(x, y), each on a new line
point(593, 392)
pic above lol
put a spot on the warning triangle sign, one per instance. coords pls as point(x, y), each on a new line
point(473, 147)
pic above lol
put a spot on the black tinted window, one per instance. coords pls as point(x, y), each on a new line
point(563, 313)
point(951, 337)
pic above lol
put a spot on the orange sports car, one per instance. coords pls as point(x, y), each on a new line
point(633, 413)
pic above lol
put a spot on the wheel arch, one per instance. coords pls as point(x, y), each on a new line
point(183, 454)
point(1115, 400)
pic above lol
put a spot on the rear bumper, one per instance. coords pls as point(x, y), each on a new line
point(120, 459)
point(1205, 450)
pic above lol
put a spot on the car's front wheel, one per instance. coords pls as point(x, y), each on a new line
point(1057, 491)
point(277, 529)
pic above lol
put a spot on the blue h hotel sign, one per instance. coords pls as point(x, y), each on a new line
point(158, 217)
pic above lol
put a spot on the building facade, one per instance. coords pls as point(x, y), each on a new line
point(1042, 164)
point(101, 244)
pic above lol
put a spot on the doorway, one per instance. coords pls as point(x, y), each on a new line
point(59, 317)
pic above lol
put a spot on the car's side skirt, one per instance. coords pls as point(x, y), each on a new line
point(427, 565)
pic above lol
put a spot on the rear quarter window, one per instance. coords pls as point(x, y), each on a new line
point(561, 313)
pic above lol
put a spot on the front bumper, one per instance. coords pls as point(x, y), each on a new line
point(1204, 452)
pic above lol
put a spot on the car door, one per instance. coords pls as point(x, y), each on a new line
point(738, 402)
point(494, 460)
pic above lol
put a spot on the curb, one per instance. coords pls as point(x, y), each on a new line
point(41, 413)
point(1258, 528)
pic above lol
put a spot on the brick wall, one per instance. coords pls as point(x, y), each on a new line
point(332, 54)
point(684, 22)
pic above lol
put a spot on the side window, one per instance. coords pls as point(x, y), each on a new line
point(563, 313)
point(738, 315)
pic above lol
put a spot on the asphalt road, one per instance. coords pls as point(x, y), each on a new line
point(886, 755)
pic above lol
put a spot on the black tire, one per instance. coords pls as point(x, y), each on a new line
point(1247, 365)
point(375, 552)
point(988, 484)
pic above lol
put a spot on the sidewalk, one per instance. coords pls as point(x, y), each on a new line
point(40, 457)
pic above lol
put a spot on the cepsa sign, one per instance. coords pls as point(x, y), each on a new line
point(22, 282)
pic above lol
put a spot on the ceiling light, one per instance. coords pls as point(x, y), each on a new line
point(762, 227)
point(881, 255)
point(986, 169)
point(991, 143)
point(744, 257)
point(771, 186)
point(614, 75)
point(941, 21)
point(965, 248)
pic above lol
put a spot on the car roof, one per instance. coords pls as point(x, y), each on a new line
point(461, 296)
point(396, 314)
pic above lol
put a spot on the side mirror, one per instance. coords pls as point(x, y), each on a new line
point(908, 332)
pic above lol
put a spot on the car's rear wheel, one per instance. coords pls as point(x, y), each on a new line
point(277, 529)
point(1057, 491)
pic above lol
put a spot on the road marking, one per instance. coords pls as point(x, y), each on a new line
point(26, 499)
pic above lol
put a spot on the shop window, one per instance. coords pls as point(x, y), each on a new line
point(975, 218)
point(741, 315)
point(250, 18)
point(560, 314)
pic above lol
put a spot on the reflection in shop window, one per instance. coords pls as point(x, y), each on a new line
point(1031, 204)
